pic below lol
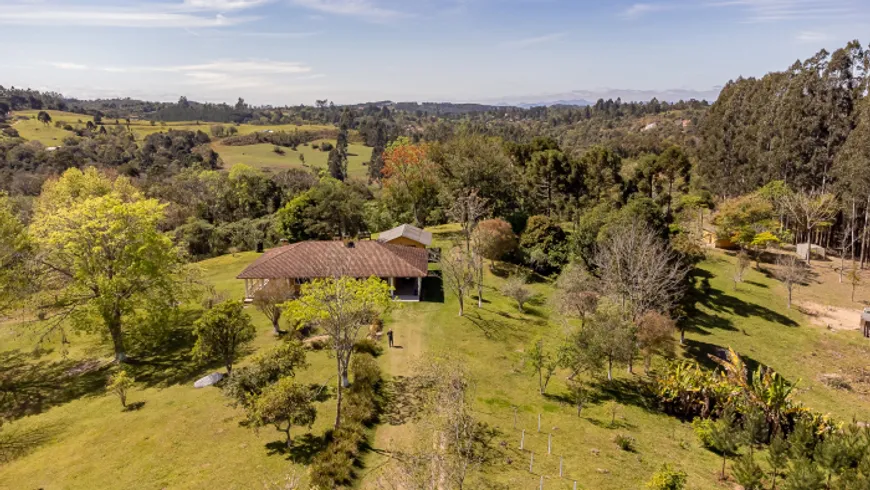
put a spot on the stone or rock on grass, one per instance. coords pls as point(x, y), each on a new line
point(209, 380)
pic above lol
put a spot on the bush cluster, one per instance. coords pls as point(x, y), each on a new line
point(334, 466)
point(368, 346)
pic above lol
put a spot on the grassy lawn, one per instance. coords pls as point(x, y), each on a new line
point(753, 320)
point(188, 438)
point(181, 437)
point(263, 157)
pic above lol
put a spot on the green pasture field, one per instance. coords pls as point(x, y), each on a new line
point(264, 157)
point(188, 438)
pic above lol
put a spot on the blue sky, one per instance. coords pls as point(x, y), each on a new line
point(297, 51)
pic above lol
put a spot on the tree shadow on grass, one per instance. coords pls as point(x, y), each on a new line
point(134, 407)
point(172, 362)
point(15, 442)
point(302, 449)
point(30, 388)
point(635, 391)
point(720, 307)
point(403, 400)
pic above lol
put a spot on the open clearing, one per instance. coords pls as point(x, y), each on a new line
point(49, 135)
point(187, 438)
point(263, 157)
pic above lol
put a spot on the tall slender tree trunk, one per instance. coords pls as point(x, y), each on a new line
point(842, 256)
point(852, 231)
point(113, 322)
point(479, 282)
point(864, 232)
point(609, 368)
point(339, 393)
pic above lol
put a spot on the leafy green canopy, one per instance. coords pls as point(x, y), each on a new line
point(102, 258)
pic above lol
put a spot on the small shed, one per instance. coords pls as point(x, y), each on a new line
point(818, 252)
point(865, 322)
point(408, 236)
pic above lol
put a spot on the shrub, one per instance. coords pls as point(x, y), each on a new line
point(278, 150)
point(624, 442)
point(120, 384)
point(317, 344)
point(334, 466)
point(667, 478)
point(704, 431)
point(326, 146)
point(368, 346)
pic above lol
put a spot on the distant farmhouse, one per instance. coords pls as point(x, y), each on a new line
point(399, 257)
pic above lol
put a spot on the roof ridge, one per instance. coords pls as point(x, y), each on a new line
point(254, 267)
point(393, 249)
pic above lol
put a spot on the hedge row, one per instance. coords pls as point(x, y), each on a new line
point(334, 467)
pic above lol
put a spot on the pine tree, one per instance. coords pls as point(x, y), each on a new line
point(777, 456)
point(802, 440)
point(376, 165)
point(832, 455)
point(725, 440)
point(337, 169)
point(804, 475)
point(755, 428)
point(747, 473)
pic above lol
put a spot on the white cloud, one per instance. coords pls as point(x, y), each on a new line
point(260, 67)
point(784, 10)
point(224, 4)
point(191, 13)
point(69, 66)
point(533, 41)
point(812, 37)
point(641, 9)
point(365, 9)
point(212, 80)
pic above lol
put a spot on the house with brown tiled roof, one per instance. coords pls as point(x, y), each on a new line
point(403, 267)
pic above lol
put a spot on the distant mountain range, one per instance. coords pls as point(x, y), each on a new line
point(572, 102)
point(588, 97)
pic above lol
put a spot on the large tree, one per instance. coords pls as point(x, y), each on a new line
point(102, 256)
point(640, 269)
point(458, 273)
point(270, 301)
point(341, 307)
point(221, 333)
point(14, 252)
point(410, 180)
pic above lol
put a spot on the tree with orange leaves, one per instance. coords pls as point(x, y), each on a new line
point(410, 181)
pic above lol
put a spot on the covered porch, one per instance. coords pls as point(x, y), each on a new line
point(408, 289)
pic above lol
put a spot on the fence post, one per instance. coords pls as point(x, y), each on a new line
point(515, 417)
point(550, 444)
point(542, 483)
point(523, 440)
point(539, 422)
point(560, 466)
point(531, 462)
point(575, 484)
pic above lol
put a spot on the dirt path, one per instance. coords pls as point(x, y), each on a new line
point(409, 324)
point(831, 317)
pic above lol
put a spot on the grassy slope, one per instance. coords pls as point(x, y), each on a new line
point(181, 438)
point(263, 157)
point(187, 438)
point(753, 320)
point(51, 136)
